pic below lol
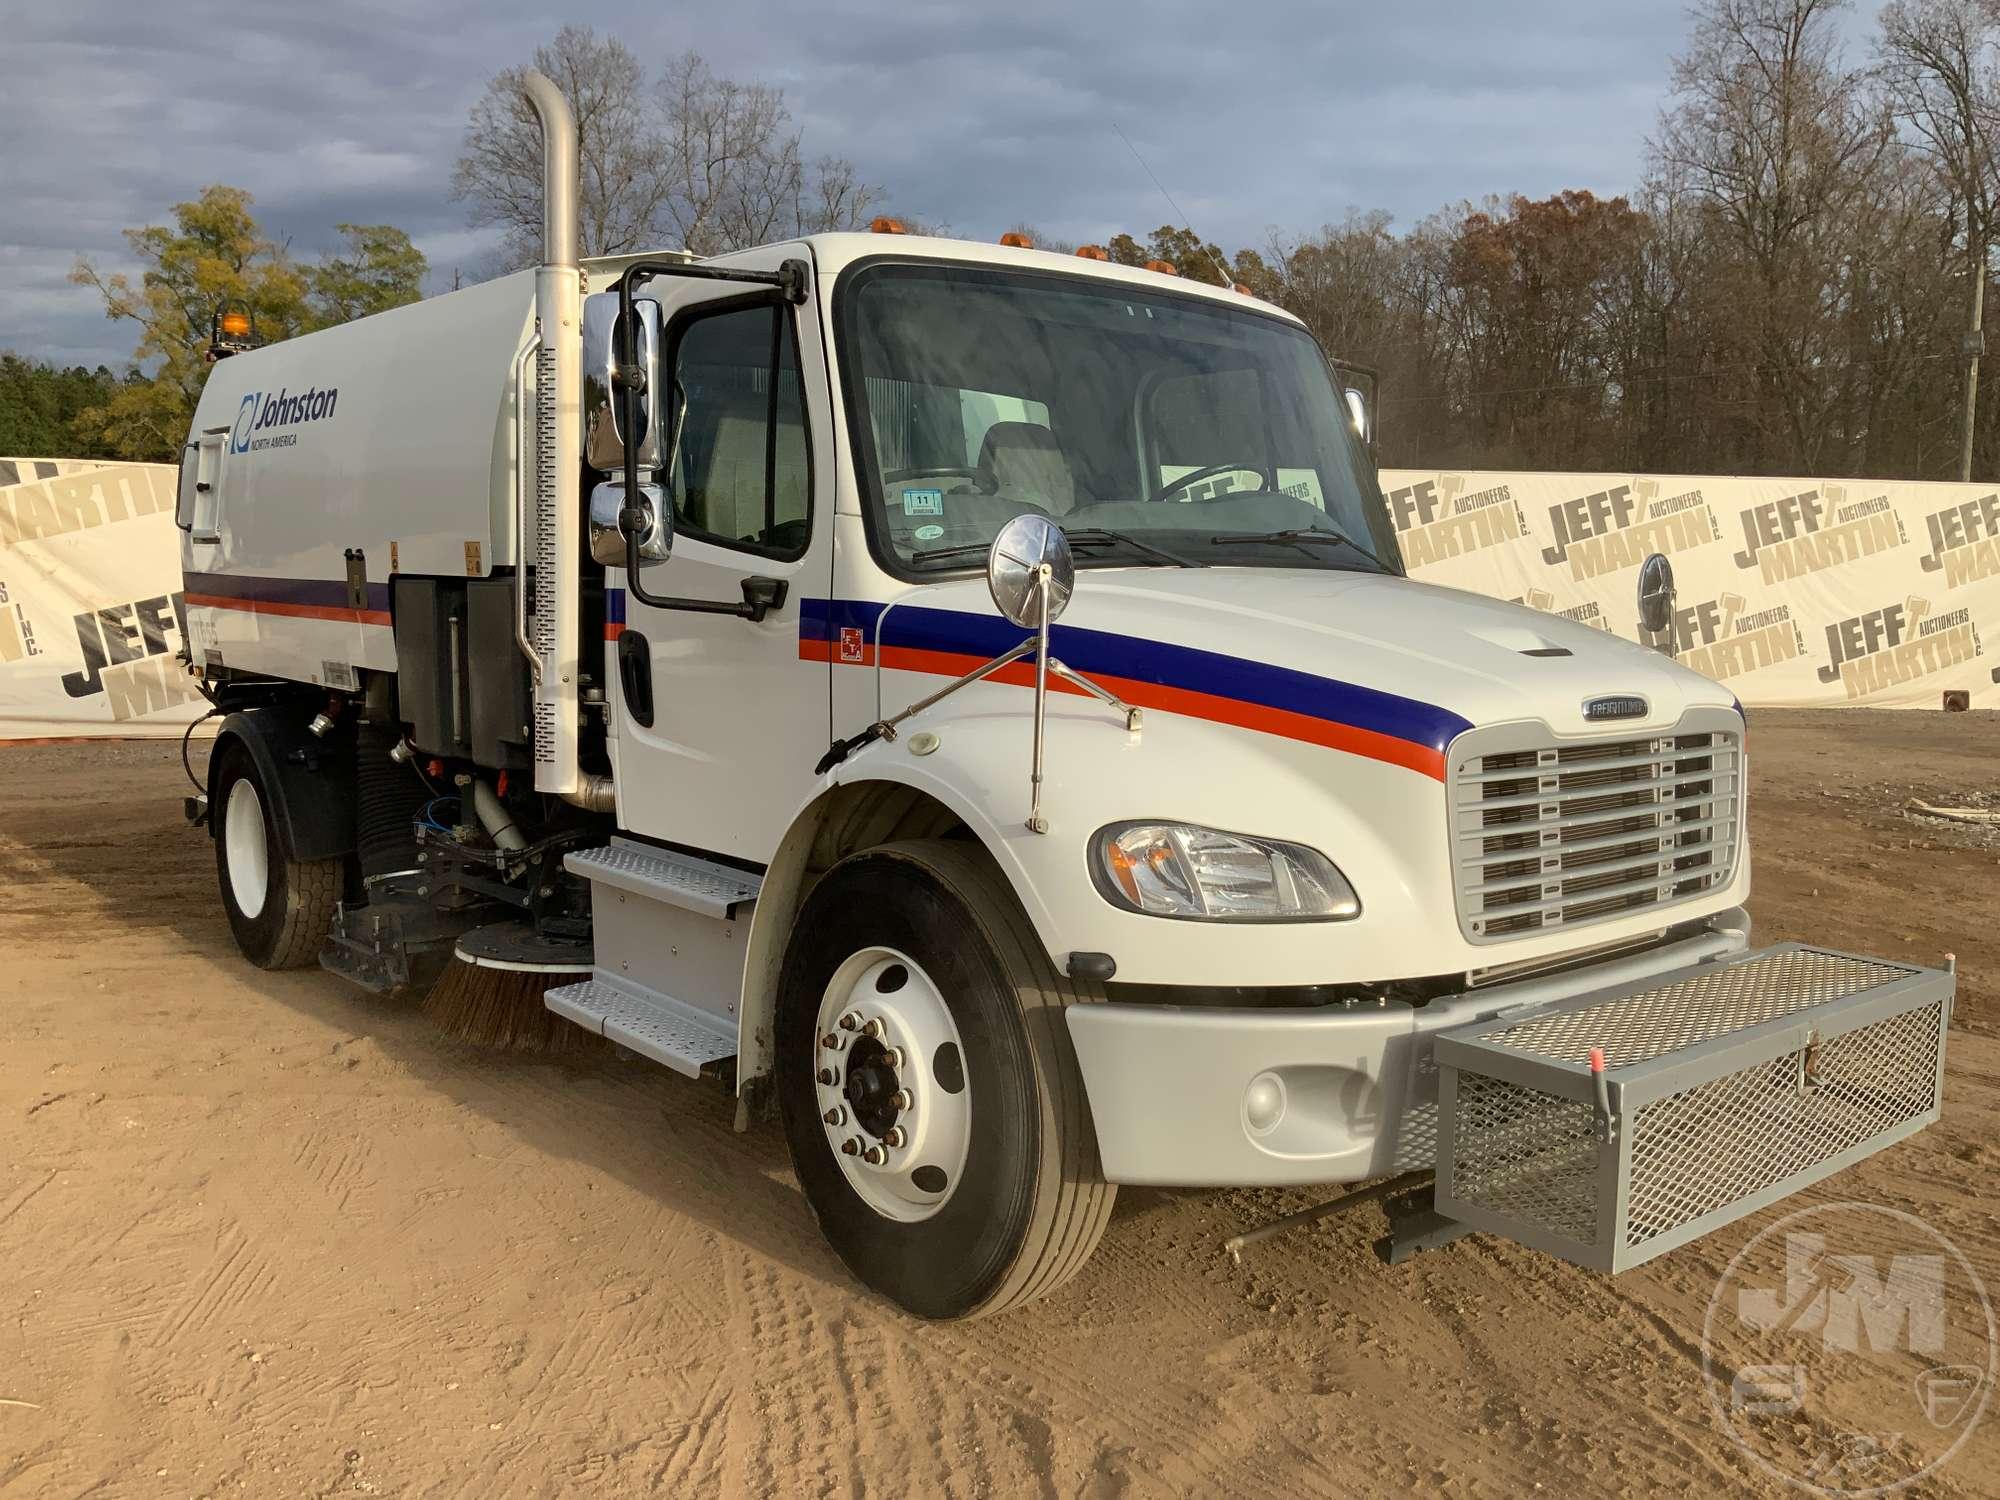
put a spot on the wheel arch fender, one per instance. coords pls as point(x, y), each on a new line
point(879, 802)
point(312, 779)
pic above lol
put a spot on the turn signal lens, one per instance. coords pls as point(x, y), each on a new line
point(1204, 874)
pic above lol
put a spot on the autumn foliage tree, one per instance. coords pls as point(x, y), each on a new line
point(214, 255)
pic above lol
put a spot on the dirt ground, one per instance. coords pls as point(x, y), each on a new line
point(260, 1234)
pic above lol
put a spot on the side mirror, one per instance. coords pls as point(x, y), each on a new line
point(603, 430)
point(1656, 595)
point(1014, 571)
point(607, 537)
point(1357, 411)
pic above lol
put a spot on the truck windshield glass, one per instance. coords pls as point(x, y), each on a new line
point(1213, 433)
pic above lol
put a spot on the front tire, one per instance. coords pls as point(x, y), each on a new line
point(972, 1184)
point(279, 908)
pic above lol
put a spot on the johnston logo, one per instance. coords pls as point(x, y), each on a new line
point(1614, 706)
point(261, 416)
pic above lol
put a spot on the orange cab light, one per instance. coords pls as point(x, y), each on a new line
point(1164, 267)
point(236, 324)
point(887, 225)
point(1244, 290)
point(1015, 240)
point(1092, 252)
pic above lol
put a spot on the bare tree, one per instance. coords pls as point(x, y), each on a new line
point(1781, 144)
point(699, 162)
point(1938, 67)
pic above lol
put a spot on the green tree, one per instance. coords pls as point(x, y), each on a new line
point(39, 405)
point(216, 256)
point(381, 269)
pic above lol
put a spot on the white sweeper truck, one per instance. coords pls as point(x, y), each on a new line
point(967, 700)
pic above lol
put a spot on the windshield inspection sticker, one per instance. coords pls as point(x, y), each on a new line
point(923, 502)
point(929, 533)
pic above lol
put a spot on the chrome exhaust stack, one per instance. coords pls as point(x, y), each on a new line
point(550, 535)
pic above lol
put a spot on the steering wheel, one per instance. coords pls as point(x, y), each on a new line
point(1172, 486)
point(978, 477)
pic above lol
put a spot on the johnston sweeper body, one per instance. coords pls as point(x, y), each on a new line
point(669, 647)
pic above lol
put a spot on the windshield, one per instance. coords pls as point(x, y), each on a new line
point(1155, 429)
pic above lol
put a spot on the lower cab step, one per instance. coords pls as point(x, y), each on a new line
point(669, 1031)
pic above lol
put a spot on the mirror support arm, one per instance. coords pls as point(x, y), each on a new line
point(788, 286)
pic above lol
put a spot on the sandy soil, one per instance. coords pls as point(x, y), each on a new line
point(262, 1235)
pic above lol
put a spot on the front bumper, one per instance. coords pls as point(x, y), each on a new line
point(1209, 1096)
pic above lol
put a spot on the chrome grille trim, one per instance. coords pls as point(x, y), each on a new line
point(1550, 833)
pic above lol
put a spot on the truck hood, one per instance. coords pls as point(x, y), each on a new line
point(1353, 660)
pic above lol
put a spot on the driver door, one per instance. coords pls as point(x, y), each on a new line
point(737, 717)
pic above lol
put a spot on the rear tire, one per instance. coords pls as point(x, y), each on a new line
point(279, 908)
point(1030, 1201)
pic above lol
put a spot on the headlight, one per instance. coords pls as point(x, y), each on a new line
point(1179, 870)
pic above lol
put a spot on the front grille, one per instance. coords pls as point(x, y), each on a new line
point(1562, 834)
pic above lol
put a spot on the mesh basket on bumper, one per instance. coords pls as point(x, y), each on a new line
point(1729, 1086)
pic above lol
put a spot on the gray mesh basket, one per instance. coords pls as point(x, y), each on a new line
point(1728, 1085)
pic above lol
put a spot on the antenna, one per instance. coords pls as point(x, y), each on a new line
point(1228, 278)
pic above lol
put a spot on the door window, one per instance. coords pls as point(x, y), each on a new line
point(742, 471)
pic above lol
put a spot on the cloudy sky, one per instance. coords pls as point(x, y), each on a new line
point(1256, 114)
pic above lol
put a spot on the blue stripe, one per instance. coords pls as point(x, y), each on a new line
point(321, 593)
point(1182, 667)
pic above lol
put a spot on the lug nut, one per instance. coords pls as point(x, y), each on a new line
point(850, 1021)
point(828, 1077)
point(894, 1136)
point(831, 1041)
point(874, 1156)
point(902, 1099)
point(892, 1059)
point(835, 1116)
point(851, 1146)
point(873, 1028)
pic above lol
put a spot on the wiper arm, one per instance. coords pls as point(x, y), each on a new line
point(1302, 537)
point(1100, 535)
point(1085, 536)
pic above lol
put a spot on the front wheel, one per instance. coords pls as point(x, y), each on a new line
point(279, 908)
point(930, 1094)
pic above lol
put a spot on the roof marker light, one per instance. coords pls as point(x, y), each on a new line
point(1016, 240)
point(1092, 252)
point(1164, 267)
point(886, 225)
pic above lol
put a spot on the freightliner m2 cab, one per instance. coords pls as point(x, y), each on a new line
point(967, 699)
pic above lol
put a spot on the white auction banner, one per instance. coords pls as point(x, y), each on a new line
point(1795, 592)
point(91, 618)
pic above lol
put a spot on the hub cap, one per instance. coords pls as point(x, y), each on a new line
point(243, 844)
point(891, 1087)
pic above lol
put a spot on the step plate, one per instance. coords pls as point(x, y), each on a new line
point(652, 1025)
point(696, 885)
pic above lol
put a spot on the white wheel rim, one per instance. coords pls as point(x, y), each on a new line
point(243, 847)
point(884, 1056)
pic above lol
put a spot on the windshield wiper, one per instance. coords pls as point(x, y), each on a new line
point(1302, 537)
point(1084, 536)
point(1100, 535)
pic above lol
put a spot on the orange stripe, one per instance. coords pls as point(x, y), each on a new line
point(291, 611)
point(1186, 702)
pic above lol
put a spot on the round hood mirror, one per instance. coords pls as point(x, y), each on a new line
point(1656, 594)
point(1014, 565)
